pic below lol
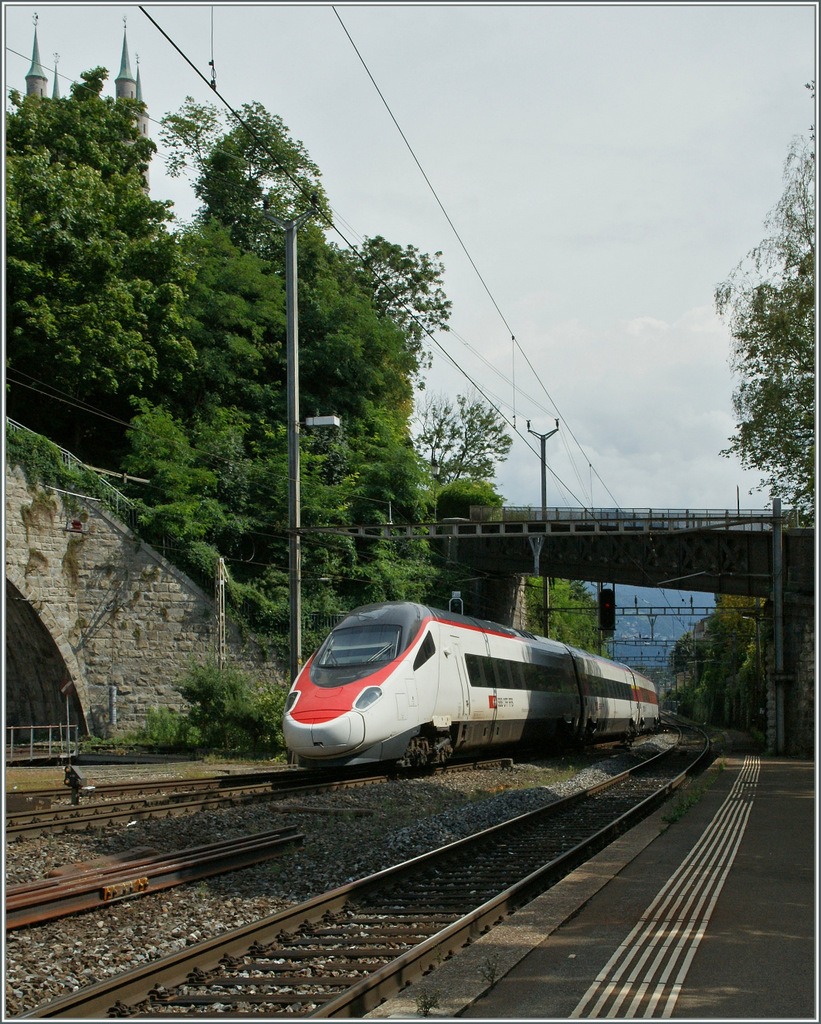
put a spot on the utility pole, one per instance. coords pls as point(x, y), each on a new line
point(219, 586)
point(778, 624)
point(545, 580)
point(290, 228)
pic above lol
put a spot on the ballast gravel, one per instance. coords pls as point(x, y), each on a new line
point(379, 825)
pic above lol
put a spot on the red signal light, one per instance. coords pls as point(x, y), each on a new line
point(607, 609)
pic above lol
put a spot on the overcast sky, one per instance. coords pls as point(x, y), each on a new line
point(605, 167)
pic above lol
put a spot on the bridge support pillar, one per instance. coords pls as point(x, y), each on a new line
point(500, 599)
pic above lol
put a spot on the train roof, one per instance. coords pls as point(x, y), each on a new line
point(410, 614)
point(407, 613)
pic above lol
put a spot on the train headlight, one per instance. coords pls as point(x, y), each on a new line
point(291, 700)
point(367, 697)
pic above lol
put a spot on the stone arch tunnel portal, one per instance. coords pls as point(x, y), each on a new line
point(35, 669)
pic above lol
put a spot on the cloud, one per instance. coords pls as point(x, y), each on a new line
point(649, 404)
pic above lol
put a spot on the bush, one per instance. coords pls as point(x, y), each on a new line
point(229, 710)
point(165, 727)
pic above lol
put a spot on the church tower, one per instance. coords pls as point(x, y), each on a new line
point(125, 82)
point(127, 86)
point(130, 88)
point(36, 80)
point(55, 92)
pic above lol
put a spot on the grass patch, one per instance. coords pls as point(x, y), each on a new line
point(684, 801)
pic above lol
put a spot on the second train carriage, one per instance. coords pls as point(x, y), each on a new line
point(407, 683)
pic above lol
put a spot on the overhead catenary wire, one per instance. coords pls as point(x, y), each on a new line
point(514, 340)
point(331, 224)
point(334, 226)
point(516, 344)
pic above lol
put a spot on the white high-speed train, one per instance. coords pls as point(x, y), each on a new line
point(414, 685)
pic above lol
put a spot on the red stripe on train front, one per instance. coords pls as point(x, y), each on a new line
point(320, 704)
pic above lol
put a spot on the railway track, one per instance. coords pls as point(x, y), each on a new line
point(96, 885)
point(121, 803)
point(342, 953)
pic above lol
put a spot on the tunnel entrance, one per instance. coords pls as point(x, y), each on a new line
point(35, 669)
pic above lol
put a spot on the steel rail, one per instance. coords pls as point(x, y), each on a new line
point(24, 824)
point(219, 792)
point(49, 898)
point(420, 938)
point(179, 786)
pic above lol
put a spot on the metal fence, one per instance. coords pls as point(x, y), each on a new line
point(32, 741)
point(113, 500)
point(631, 519)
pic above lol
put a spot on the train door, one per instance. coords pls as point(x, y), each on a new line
point(638, 710)
point(457, 670)
point(490, 679)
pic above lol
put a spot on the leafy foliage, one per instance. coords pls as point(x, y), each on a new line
point(167, 354)
point(573, 612)
point(95, 282)
point(720, 675)
point(229, 711)
point(461, 442)
point(769, 302)
point(455, 499)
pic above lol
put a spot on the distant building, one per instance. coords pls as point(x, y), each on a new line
point(126, 85)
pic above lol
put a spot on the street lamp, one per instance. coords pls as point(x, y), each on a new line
point(545, 583)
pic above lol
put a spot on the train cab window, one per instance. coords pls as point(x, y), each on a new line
point(360, 645)
point(425, 652)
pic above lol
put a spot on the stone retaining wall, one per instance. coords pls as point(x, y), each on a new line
point(124, 622)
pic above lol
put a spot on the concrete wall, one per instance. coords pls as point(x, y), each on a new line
point(103, 609)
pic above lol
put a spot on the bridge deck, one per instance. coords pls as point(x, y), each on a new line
point(518, 522)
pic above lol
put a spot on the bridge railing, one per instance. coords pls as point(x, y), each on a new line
point(628, 520)
point(121, 506)
point(32, 741)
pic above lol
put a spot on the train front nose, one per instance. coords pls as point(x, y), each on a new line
point(324, 738)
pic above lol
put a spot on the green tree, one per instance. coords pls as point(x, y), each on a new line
point(241, 169)
point(407, 288)
point(769, 303)
point(362, 317)
point(454, 500)
point(95, 281)
point(462, 441)
point(729, 669)
point(573, 612)
point(230, 710)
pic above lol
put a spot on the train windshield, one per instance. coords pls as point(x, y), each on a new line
point(369, 645)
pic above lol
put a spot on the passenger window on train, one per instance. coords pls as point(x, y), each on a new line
point(505, 675)
point(425, 652)
point(476, 670)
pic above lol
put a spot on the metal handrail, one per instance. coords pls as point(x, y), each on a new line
point(59, 736)
point(636, 518)
point(119, 504)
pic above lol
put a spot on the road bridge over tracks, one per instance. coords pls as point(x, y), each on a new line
point(714, 551)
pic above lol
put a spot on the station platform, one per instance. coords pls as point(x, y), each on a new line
point(709, 917)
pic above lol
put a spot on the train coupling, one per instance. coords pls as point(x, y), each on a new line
point(76, 779)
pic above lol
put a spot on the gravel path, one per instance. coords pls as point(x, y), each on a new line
point(403, 819)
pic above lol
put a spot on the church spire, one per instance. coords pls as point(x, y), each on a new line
point(125, 82)
point(55, 94)
point(36, 79)
point(142, 117)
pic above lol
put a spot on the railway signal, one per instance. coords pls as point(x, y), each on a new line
point(607, 609)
